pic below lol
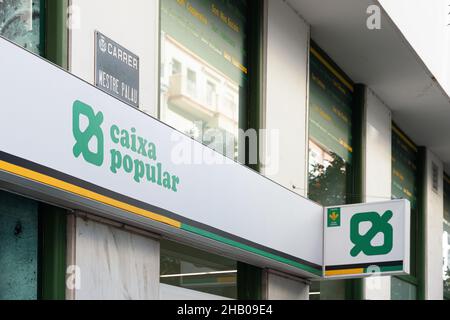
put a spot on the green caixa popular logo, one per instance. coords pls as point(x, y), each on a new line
point(130, 153)
point(334, 217)
point(363, 243)
point(92, 132)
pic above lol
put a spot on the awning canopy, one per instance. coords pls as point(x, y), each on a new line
point(385, 61)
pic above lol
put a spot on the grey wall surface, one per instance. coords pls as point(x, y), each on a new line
point(283, 288)
point(114, 264)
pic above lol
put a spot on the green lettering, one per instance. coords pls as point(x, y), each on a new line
point(151, 176)
point(159, 165)
point(152, 151)
point(115, 131)
point(133, 140)
point(167, 180)
point(139, 170)
point(175, 183)
point(127, 164)
point(125, 140)
point(142, 146)
point(116, 161)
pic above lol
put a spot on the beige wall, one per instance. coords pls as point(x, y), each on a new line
point(286, 96)
point(434, 217)
point(377, 174)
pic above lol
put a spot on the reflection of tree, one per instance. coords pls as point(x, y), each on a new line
point(19, 22)
point(447, 282)
point(328, 185)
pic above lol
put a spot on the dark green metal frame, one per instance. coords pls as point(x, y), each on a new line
point(417, 278)
point(52, 220)
point(355, 288)
point(52, 253)
point(56, 32)
point(250, 278)
point(256, 52)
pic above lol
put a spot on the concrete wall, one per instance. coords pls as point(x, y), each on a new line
point(112, 263)
point(280, 287)
point(378, 188)
point(139, 35)
point(425, 24)
point(378, 174)
point(286, 107)
point(434, 217)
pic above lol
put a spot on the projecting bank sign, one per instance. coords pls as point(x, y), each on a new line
point(71, 141)
point(367, 239)
point(116, 70)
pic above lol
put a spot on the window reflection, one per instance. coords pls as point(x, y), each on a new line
point(330, 147)
point(205, 89)
point(193, 269)
point(20, 23)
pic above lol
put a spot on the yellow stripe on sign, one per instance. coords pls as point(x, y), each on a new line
point(333, 70)
point(331, 273)
point(59, 184)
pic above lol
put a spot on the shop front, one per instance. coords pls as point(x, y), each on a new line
point(145, 164)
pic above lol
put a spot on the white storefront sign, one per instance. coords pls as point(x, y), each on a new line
point(367, 239)
point(64, 141)
point(60, 132)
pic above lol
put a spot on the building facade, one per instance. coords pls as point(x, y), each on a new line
point(349, 103)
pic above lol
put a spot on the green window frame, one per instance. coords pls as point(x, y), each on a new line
point(416, 279)
point(350, 289)
point(53, 33)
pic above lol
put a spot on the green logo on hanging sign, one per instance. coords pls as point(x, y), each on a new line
point(379, 225)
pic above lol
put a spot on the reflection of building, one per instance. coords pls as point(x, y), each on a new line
point(318, 156)
point(195, 97)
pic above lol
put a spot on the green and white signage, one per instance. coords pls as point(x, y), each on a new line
point(71, 144)
point(64, 141)
point(367, 239)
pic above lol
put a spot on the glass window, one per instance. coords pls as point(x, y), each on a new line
point(192, 83)
point(18, 248)
point(211, 94)
point(402, 290)
point(330, 132)
point(207, 38)
point(193, 269)
point(330, 146)
point(405, 178)
point(176, 67)
point(20, 22)
point(446, 238)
